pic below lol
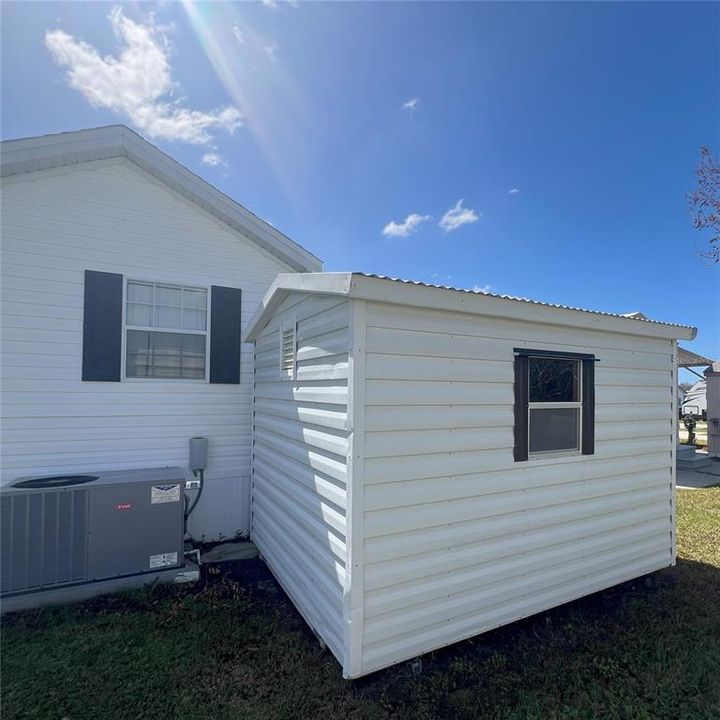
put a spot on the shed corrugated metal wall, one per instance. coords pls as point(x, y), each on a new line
point(300, 452)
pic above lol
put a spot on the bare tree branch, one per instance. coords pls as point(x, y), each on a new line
point(705, 202)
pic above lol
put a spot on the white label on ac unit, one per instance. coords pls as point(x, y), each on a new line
point(163, 560)
point(165, 494)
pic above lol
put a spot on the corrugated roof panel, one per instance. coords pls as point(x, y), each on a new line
point(637, 317)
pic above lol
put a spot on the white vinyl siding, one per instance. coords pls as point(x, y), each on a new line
point(112, 216)
point(458, 538)
point(300, 457)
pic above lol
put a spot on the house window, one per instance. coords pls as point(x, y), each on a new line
point(288, 341)
point(554, 403)
point(166, 331)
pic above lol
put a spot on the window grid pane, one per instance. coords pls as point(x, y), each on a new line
point(165, 306)
point(139, 314)
point(168, 317)
point(194, 298)
point(194, 319)
point(140, 292)
point(169, 295)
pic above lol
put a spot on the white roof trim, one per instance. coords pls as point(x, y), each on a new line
point(437, 297)
point(71, 148)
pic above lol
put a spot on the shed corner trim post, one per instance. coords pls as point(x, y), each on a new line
point(354, 595)
point(673, 453)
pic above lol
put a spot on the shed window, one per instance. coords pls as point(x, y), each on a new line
point(554, 403)
point(166, 331)
point(288, 342)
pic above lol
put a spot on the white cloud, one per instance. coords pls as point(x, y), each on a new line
point(275, 3)
point(270, 51)
point(457, 216)
point(514, 191)
point(406, 227)
point(137, 82)
point(411, 105)
point(238, 33)
point(485, 289)
point(213, 159)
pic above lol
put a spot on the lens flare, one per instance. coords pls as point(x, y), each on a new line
point(260, 85)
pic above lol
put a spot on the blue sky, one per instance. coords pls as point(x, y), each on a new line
point(356, 128)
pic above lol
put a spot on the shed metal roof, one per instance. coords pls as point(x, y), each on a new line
point(72, 148)
point(382, 288)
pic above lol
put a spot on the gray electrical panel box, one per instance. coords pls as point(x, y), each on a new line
point(198, 453)
point(79, 529)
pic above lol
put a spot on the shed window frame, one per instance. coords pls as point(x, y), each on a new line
point(288, 329)
point(584, 404)
point(155, 328)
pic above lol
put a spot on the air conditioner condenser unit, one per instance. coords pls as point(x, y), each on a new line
point(72, 536)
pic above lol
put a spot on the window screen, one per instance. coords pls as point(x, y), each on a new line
point(553, 429)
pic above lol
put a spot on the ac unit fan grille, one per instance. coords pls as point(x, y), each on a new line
point(44, 539)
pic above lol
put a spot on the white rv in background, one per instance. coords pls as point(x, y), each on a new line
point(695, 401)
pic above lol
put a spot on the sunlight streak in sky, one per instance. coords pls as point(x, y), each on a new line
point(274, 109)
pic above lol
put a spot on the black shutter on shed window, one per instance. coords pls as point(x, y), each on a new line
point(102, 326)
point(588, 407)
point(521, 408)
point(225, 334)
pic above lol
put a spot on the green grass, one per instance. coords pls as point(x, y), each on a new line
point(236, 648)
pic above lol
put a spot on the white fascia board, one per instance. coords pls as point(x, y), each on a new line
point(321, 283)
point(64, 149)
point(435, 298)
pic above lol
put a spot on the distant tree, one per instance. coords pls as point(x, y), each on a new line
point(685, 386)
point(705, 202)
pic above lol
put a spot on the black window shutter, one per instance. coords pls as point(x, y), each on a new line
point(225, 334)
point(588, 407)
point(521, 408)
point(102, 326)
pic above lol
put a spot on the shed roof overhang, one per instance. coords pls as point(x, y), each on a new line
point(362, 286)
point(114, 141)
point(689, 359)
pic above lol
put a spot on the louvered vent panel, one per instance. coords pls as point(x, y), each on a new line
point(44, 539)
point(287, 353)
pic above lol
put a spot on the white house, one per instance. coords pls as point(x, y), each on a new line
point(430, 463)
point(126, 283)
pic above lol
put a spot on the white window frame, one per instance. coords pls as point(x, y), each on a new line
point(125, 327)
point(550, 405)
point(285, 326)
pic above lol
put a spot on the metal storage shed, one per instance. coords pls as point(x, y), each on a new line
point(430, 463)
